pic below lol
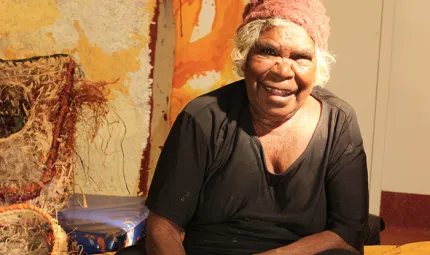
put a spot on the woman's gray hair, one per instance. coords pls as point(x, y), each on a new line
point(248, 35)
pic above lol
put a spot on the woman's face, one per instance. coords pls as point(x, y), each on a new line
point(280, 72)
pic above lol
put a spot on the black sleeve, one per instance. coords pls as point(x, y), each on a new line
point(347, 185)
point(180, 170)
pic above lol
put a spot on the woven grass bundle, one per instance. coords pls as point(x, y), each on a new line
point(41, 100)
point(27, 230)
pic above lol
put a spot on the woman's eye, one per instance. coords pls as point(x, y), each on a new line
point(268, 52)
point(303, 57)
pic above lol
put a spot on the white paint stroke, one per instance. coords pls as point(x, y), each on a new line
point(204, 81)
point(108, 24)
point(206, 20)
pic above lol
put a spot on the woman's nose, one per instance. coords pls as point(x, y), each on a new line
point(283, 69)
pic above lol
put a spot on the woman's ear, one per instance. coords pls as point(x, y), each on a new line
point(245, 62)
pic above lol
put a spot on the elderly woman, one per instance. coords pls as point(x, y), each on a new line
point(272, 164)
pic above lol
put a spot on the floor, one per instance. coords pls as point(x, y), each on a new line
point(406, 216)
point(393, 235)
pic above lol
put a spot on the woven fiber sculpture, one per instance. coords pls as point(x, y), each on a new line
point(41, 100)
point(26, 229)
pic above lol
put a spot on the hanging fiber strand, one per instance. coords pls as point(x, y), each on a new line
point(44, 98)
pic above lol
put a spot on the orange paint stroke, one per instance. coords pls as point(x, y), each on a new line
point(99, 65)
point(210, 53)
point(101, 243)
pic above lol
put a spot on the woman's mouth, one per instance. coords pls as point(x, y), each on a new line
point(278, 92)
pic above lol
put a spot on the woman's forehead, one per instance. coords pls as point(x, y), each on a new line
point(289, 33)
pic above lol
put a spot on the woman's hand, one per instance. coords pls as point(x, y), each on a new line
point(313, 244)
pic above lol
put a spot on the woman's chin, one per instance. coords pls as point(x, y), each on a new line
point(279, 115)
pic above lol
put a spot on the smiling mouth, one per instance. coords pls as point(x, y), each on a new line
point(278, 92)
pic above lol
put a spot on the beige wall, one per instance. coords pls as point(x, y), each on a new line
point(406, 167)
point(386, 44)
point(402, 114)
point(381, 48)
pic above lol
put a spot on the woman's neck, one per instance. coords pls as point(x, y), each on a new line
point(264, 125)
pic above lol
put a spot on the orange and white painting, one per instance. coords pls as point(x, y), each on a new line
point(204, 40)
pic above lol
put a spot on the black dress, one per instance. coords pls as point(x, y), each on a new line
point(211, 178)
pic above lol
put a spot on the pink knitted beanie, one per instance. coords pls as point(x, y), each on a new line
point(309, 14)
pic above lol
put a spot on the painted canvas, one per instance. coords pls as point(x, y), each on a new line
point(204, 40)
point(109, 42)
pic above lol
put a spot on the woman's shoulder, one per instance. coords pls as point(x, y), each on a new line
point(220, 101)
point(334, 102)
point(342, 117)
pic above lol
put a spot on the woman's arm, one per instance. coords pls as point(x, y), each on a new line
point(313, 244)
point(176, 185)
point(163, 236)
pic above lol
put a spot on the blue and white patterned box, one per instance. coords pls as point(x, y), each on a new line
point(108, 224)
